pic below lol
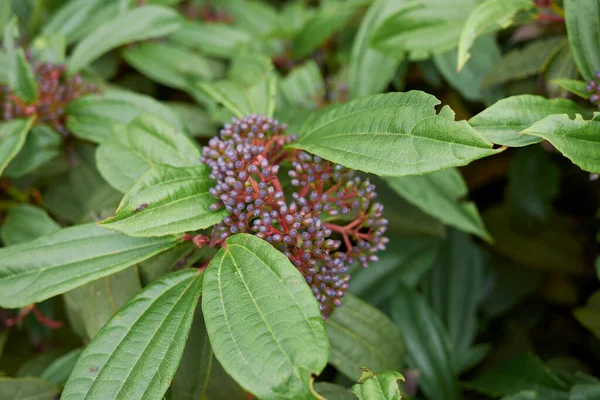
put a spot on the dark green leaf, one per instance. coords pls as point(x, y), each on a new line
point(12, 138)
point(138, 24)
point(519, 374)
point(504, 122)
point(383, 385)
point(25, 222)
point(362, 335)
point(193, 373)
point(524, 395)
point(560, 67)
point(20, 74)
point(304, 86)
point(574, 86)
point(489, 16)
point(331, 391)
point(27, 388)
point(583, 28)
point(42, 145)
point(197, 122)
point(55, 263)
point(576, 139)
point(155, 323)
point(589, 316)
point(370, 71)
point(585, 392)
point(144, 142)
point(167, 200)
point(71, 18)
point(443, 195)
point(168, 64)
point(256, 303)
point(427, 343)
point(92, 117)
point(58, 372)
point(217, 40)
point(393, 134)
point(91, 305)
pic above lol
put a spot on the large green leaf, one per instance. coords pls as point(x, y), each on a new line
point(504, 122)
point(454, 288)
point(167, 200)
point(27, 389)
point(12, 138)
point(136, 354)
point(217, 40)
point(92, 117)
point(393, 134)
point(520, 63)
point(370, 71)
point(168, 64)
point(25, 222)
point(362, 335)
point(583, 28)
point(142, 143)
point(137, 24)
point(383, 385)
point(577, 139)
point(42, 145)
point(193, 373)
point(20, 74)
point(263, 320)
point(442, 194)
point(55, 263)
point(489, 16)
point(519, 374)
point(423, 27)
point(427, 343)
point(88, 307)
point(327, 20)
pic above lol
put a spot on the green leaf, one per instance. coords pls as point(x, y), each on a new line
point(35, 366)
point(138, 24)
point(443, 195)
point(332, 391)
point(263, 320)
point(242, 101)
point(534, 181)
point(423, 27)
point(197, 121)
point(583, 28)
point(589, 316)
point(327, 20)
point(12, 138)
point(91, 305)
point(468, 81)
point(81, 195)
point(561, 66)
point(533, 58)
point(504, 122)
point(93, 116)
point(50, 48)
point(393, 134)
point(163, 263)
point(222, 386)
point(454, 289)
point(247, 69)
point(405, 261)
point(155, 323)
point(370, 71)
point(524, 395)
point(58, 372)
point(168, 64)
point(167, 200)
point(144, 142)
point(55, 263)
point(218, 40)
point(71, 18)
point(489, 16)
point(362, 335)
point(304, 86)
point(383, 385)
point(20, 74)
point(27, 388)
point(575, 138)
point(585, 392)
point(42, 145)
point(427, 343)
point(25, 222)
point(193, 373)
point(574, 86)
point(518, 374)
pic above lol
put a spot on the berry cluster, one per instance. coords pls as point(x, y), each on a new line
point(207, 13)
point(593, 87)
point(55, 91)
point(245, 161)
